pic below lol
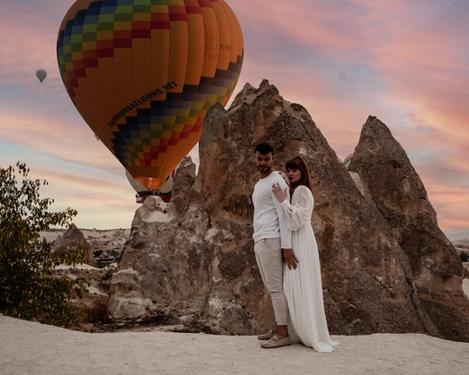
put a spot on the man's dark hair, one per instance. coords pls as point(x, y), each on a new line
point(264, 148)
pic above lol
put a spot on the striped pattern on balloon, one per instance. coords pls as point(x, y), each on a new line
point(143, 74)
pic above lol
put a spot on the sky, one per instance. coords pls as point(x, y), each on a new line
point(406, 62)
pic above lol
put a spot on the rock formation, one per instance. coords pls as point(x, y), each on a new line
point(73, 238)
point(402, 200)
point(462, 247)
point(192, 261)
point(106, 245)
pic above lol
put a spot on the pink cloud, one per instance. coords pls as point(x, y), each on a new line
point(56, 137)
point(28, 42)
point(416, 53)
point(312, 24)
point(451, 205)
point(422, 61)
point(100, 203)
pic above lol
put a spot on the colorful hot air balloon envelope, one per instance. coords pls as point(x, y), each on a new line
point(143, 74)
point(41, 75)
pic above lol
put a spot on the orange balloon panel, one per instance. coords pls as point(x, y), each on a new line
point(143, 74)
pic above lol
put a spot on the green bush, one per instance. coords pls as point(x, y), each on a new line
point(29, 286)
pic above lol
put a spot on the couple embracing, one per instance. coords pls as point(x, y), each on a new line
point(287, 254)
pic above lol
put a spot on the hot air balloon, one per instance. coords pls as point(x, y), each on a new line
point(164, 191)
point(41, 75)
point(143, 74)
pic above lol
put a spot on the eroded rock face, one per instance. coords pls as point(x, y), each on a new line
point(402, 200)
point(106, 245)
point(178, 264)
point(194, 258)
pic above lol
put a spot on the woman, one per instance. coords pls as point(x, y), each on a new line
point(302, 282)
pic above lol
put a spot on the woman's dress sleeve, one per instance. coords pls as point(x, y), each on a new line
point(298, 213)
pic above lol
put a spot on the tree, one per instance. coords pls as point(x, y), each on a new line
point(30, 287)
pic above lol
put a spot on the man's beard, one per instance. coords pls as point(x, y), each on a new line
point(264, 169)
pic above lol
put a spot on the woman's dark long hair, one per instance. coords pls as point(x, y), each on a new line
point(298, 163)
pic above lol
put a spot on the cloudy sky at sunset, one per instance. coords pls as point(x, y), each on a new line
point(406, 62)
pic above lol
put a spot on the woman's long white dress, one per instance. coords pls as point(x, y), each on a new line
point(303, 285)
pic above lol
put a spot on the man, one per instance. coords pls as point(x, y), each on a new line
point(272, 241)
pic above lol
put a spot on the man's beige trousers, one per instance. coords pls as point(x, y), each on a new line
point(269, 260)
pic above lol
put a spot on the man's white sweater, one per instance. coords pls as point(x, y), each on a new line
point(269, 217)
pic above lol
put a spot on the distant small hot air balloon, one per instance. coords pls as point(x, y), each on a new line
point(41, 74)
point(143, 74)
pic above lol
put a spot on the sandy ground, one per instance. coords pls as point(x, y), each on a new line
point(32, 348)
